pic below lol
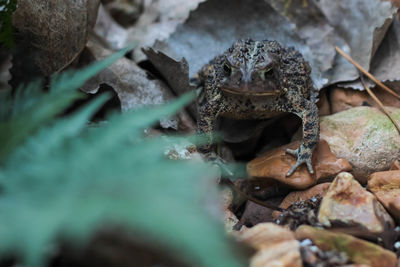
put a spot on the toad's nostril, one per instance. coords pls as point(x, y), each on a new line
point(246, 76)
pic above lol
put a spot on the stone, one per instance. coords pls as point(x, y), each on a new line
point(294, 196)
point(386, 187)
point(275, 245)
point(343, 99)
point(301, 212)
point(314, 256)
point(348, 207)
point(274, 165)
point(365, 137)
point(358, 250)
point(254, 214)
point(230, 219)
point(395, 165)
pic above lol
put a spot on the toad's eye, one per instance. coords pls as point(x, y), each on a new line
point(227, 69)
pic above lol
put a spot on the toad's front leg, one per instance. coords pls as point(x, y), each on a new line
point(309, 116)
point(207, 116)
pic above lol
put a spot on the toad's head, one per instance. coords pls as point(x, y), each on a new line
point(249, 69)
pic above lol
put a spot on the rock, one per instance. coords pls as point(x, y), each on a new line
point(274, 165)
point(365, 137)
point(292, 197)
point(275, 245)
point(230, 218)
point(301, 212)
point(395, 165)
point(358, 251)
point(254, 214)
point(319, 189)
point(262, 189)
point(314, 256)
point(348, 207)
point(343, 99)
point(386, 187)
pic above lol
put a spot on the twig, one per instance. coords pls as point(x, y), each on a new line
point(369, 75)
point(237, 190)
point(379, 103)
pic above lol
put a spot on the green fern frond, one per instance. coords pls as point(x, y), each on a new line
point(30, 109)
point(7, 7)
point(62, 180)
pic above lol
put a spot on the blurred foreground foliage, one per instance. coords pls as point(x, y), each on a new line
point(7, 7)
point(62, 180)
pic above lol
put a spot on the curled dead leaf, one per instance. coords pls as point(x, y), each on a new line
point(57, 30)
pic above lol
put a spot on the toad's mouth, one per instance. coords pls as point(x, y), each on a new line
point(237, 91)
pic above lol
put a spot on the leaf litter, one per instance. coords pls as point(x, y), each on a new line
point(188, 41)
point(212, 28)
point(133, 85)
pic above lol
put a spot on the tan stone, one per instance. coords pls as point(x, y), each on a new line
point(230, 218)
point(280, 255)
point(395, 165)
point(365, 137)
point(356, 210)
point(274, 165)
point(386, 187)
point(275, 245)
point(358, 250)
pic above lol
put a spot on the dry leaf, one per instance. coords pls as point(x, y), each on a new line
point(57, 29)
point(213, 27)
point(159, 19)
point(110, 31)
point(314, 29)
point(133, 85)
point(320, 37)
point(362, 23)
point(386, 63)
point(125, 12)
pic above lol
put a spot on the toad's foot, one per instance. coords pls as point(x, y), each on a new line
point(303, 156)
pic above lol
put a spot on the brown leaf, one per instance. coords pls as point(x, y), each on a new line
point(363, 24)
point(133, 85)
point(126, 12)
point(158, 21)
point(313, 27)
point(386, 63)
point(110, 31)
point(57, 29)
point(213, 27)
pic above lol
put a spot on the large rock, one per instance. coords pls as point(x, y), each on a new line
point(274, 165)
point(365, 137)
point(275, 245)
point(386, 187)
point(352, 209)
point(359, 251)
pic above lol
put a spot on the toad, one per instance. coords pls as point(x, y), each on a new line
point(259, 80)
